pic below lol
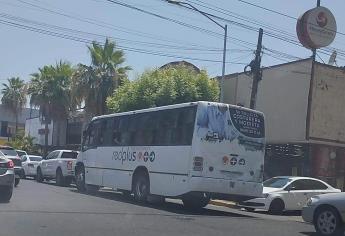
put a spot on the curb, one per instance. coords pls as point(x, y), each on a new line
point(224, 204)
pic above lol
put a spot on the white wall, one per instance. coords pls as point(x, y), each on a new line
point(282, 96)
point(31, 128)
point(328, 104)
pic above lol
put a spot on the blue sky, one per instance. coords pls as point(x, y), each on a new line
point(23, 52)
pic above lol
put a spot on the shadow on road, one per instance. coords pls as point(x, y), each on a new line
point(286, 213)
point(309, 233)
point(170, 207)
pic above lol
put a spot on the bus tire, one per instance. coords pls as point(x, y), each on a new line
point(196, 201)
point(141, 187)
point(80, 178)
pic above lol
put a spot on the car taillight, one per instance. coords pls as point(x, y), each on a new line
point(69, 165)
point(198, 164)
point(10, 164)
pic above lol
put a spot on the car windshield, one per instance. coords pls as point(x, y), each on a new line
point(35, 158)
point(69, 155)
point(8, 151)
point(276, 182)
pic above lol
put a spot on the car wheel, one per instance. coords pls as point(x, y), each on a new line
point(277, 207)
point(6, 194)
point(196, 201)
point(141, 187)
point(328, 222)
point(39, 176)
point(16, 182)
point(59, 179)
point(80, 179)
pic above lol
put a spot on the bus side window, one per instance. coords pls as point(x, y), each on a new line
point(116, 137)
point(122, 132)
point(184, 131)
point(103, 132)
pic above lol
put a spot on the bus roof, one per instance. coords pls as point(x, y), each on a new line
point(187, 104)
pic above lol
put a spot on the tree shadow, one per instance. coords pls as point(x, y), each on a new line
point(170, 207)
point(310, 233)
point(285, 213)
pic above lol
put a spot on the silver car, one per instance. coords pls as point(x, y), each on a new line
point(327, 213)
point(6, 178)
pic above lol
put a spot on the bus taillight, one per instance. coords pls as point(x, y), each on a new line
point(198, 163)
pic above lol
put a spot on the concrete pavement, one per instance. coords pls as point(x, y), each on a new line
point(45, 209)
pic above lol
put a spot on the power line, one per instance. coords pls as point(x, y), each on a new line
point(110, 26)
point(88, 41)
point(277, 12)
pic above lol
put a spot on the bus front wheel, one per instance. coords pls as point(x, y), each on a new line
point(141, 188)
point(196, 200)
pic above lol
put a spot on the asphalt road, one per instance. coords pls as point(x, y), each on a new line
point(45, 209)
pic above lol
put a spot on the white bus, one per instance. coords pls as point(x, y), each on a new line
point(192, 151)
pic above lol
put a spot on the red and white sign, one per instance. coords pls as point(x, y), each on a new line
point(316, 28)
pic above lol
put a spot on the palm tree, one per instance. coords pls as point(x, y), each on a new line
point(50, 91)
point(14, 97)
point(93, 84)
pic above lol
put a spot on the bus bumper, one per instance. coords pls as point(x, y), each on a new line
point(227, 189)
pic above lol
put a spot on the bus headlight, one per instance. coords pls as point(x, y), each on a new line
point(198, 164)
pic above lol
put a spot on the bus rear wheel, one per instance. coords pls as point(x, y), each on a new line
point(141, 187)
point(196, 201)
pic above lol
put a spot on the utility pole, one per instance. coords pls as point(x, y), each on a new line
point(223, 64)
point(257, 75)
point(311, 85)
point(224, 27)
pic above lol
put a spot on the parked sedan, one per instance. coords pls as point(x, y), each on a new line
point(327, 213)
point(10, 153)
point(287, 193)
point(6, 178)
point(30, 163)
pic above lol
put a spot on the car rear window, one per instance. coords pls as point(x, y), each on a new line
point(276, 182)
point(21, 153)
point(69, 155)
point(8, 151)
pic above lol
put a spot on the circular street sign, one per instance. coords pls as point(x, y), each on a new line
point(316, 28)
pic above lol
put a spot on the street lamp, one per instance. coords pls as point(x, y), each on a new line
point(225, 28)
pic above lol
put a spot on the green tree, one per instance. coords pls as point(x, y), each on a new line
point(93, 84)
point(23, 142)
point(50, 91)
point(14, 97)
point(164, 87)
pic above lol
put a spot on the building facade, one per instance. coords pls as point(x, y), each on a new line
point(8, 125)
point(304, 118)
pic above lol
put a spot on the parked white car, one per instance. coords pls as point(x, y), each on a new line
point(30, 164)
point(327, 213)
point(58, 165)
point(287, 193)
